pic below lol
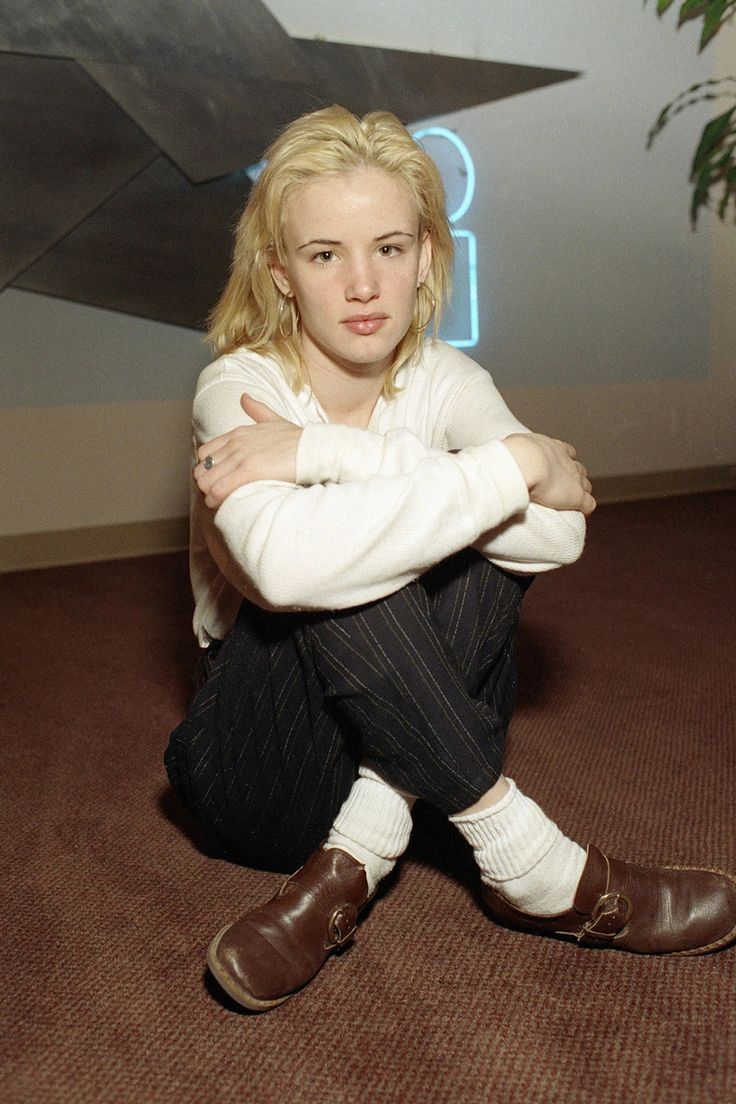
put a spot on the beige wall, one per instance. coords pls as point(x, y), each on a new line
point(654, 425)
point(70, 467)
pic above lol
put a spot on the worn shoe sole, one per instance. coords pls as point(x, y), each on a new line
point(231, 986)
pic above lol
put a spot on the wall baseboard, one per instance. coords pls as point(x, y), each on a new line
point(664, 484)
point(21, 551)
point(89, 545)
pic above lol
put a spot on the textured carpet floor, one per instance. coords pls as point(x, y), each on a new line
point(625, 733)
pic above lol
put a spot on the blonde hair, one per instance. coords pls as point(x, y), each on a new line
point(251, 311)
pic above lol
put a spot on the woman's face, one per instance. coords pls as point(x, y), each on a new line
point(353, 261)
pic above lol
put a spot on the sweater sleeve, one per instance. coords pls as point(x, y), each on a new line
point(336, 545)
point(332, 453)
point(535, 540)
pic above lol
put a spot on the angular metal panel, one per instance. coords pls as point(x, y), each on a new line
point(208, 126)
point(64, 149)
point(213, 35)
point(415, 86)
point(213, 126)
point(160, 249)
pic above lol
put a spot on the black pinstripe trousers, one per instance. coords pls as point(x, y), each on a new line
point(421, 684)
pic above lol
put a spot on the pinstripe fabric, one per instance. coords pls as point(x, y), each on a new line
point(421, 683)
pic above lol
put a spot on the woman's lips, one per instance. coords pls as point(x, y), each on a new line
point(365, 324)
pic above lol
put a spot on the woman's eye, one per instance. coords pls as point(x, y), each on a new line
point(324, 256)
point(389, 250)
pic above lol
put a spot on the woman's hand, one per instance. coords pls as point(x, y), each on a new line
point(552, 473)
point(248, 453)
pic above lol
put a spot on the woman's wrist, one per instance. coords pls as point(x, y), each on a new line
point(529, 457)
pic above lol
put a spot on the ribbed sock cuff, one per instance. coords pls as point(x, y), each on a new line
point(375, 816)
point(373, 825)
point(523, 854)
point(512, 836)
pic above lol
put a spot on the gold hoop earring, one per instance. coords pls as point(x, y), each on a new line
point(293, 317)
point(430, 315)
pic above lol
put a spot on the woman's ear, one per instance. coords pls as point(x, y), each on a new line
point(281, 278)
point(425, 257)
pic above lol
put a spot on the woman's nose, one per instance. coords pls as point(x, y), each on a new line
point(362, 283)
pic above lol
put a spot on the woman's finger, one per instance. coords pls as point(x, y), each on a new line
point(569, 449)
point(222, 464)
point(211, 448)
point(258, 411)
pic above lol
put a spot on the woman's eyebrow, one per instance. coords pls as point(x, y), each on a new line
point(330, 241)
point(318, 241)
point(395, 234)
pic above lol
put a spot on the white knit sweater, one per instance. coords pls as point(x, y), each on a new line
point(372, 508)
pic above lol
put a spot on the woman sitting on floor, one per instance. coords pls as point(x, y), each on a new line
point(367, 517)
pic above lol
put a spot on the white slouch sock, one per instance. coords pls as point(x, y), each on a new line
point(523, 854)
point(373, 825)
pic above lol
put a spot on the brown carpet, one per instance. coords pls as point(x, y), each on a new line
point(625, 733)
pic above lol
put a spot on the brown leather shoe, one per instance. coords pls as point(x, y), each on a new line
point(275, 949)
point(649, 910)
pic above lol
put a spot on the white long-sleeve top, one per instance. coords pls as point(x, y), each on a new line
point(371, 509)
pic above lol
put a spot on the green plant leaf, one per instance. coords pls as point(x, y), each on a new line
point(712, 135)
point(714, 161)
point(713, 19)
point(719, 168)
point(691, 9)
point(728, 194)
point(687, 99)
point(700, 194)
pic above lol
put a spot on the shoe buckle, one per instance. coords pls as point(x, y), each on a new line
point(341, 925)
point(611, 913)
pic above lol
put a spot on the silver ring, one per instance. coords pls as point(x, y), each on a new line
point(208, 463)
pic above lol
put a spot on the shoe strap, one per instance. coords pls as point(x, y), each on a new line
point(341, 925)
point(608, 910)
point(611, 913)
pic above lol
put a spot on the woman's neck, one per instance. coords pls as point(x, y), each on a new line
point(347, 399)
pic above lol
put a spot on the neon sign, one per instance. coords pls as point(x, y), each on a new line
point(452, 157)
